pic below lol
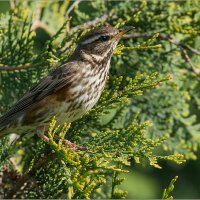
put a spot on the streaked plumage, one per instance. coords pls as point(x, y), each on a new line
point(69, 91)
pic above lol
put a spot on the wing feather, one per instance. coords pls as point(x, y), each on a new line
point(47, 86)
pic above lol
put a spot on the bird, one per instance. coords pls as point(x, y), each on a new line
point(69, 91)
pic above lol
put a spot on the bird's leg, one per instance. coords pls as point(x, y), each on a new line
point(41, 133)
point(70, 144)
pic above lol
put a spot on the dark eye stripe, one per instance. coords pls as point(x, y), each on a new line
point(94, 38)
point(104, 38)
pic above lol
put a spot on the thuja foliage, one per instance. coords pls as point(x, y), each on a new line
point(168, 190)
point(150, 99)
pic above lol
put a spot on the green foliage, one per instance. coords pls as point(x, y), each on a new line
point(172, 107)
point(167, 191)
point(144, 45)
point(148, 111)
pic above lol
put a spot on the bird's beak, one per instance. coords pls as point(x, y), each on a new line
point(123, 31)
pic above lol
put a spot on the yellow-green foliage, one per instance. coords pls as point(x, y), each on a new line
point(144, 114)
point(167, 191)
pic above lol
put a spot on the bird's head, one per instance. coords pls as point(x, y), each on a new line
point(101, 41)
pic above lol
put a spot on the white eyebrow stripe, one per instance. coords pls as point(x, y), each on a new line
point(92, 39)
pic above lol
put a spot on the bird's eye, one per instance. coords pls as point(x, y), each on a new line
point(104, 38)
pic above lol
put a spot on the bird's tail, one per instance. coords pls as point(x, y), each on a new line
point(3, 132)
point(4, 125)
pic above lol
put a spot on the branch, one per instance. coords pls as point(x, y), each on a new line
point(95, 21)
point(178, 44)
point(13, 68)
point(166, 38)
point(184, 48)
point(12, 4)
point(37, 18)
point(88, 25)
point(187, 59)
point(38, 23)
point(76, 2)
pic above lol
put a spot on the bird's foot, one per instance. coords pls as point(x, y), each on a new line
point(64, 141)
point(43, 137)
point(70, 144)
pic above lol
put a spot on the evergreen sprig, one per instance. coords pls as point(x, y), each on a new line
point(136, 110)
point(168, 190)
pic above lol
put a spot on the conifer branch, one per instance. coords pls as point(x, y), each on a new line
point(184, 48)
point(188, 60)
point(178, 44)
point(16, 68)
point(74, 4)
point(12, 4)
point(95, 21)
point(164, 37)
point(38, 23)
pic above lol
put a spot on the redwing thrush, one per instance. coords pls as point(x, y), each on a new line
point(71, 90)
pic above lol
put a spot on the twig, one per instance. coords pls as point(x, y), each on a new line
point(178, 44)
point(13, 68)
point(184, 48)
point(164, 37)
point(12, 4)
point(72, 7)
point(187, 59)
point(38, 23)
point(137, 35)
point(87, 25)
point(68, 12)
point(194, 51)
point(95, 21)
point(37, 18)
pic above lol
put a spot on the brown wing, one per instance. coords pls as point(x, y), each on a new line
point(47, 86)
